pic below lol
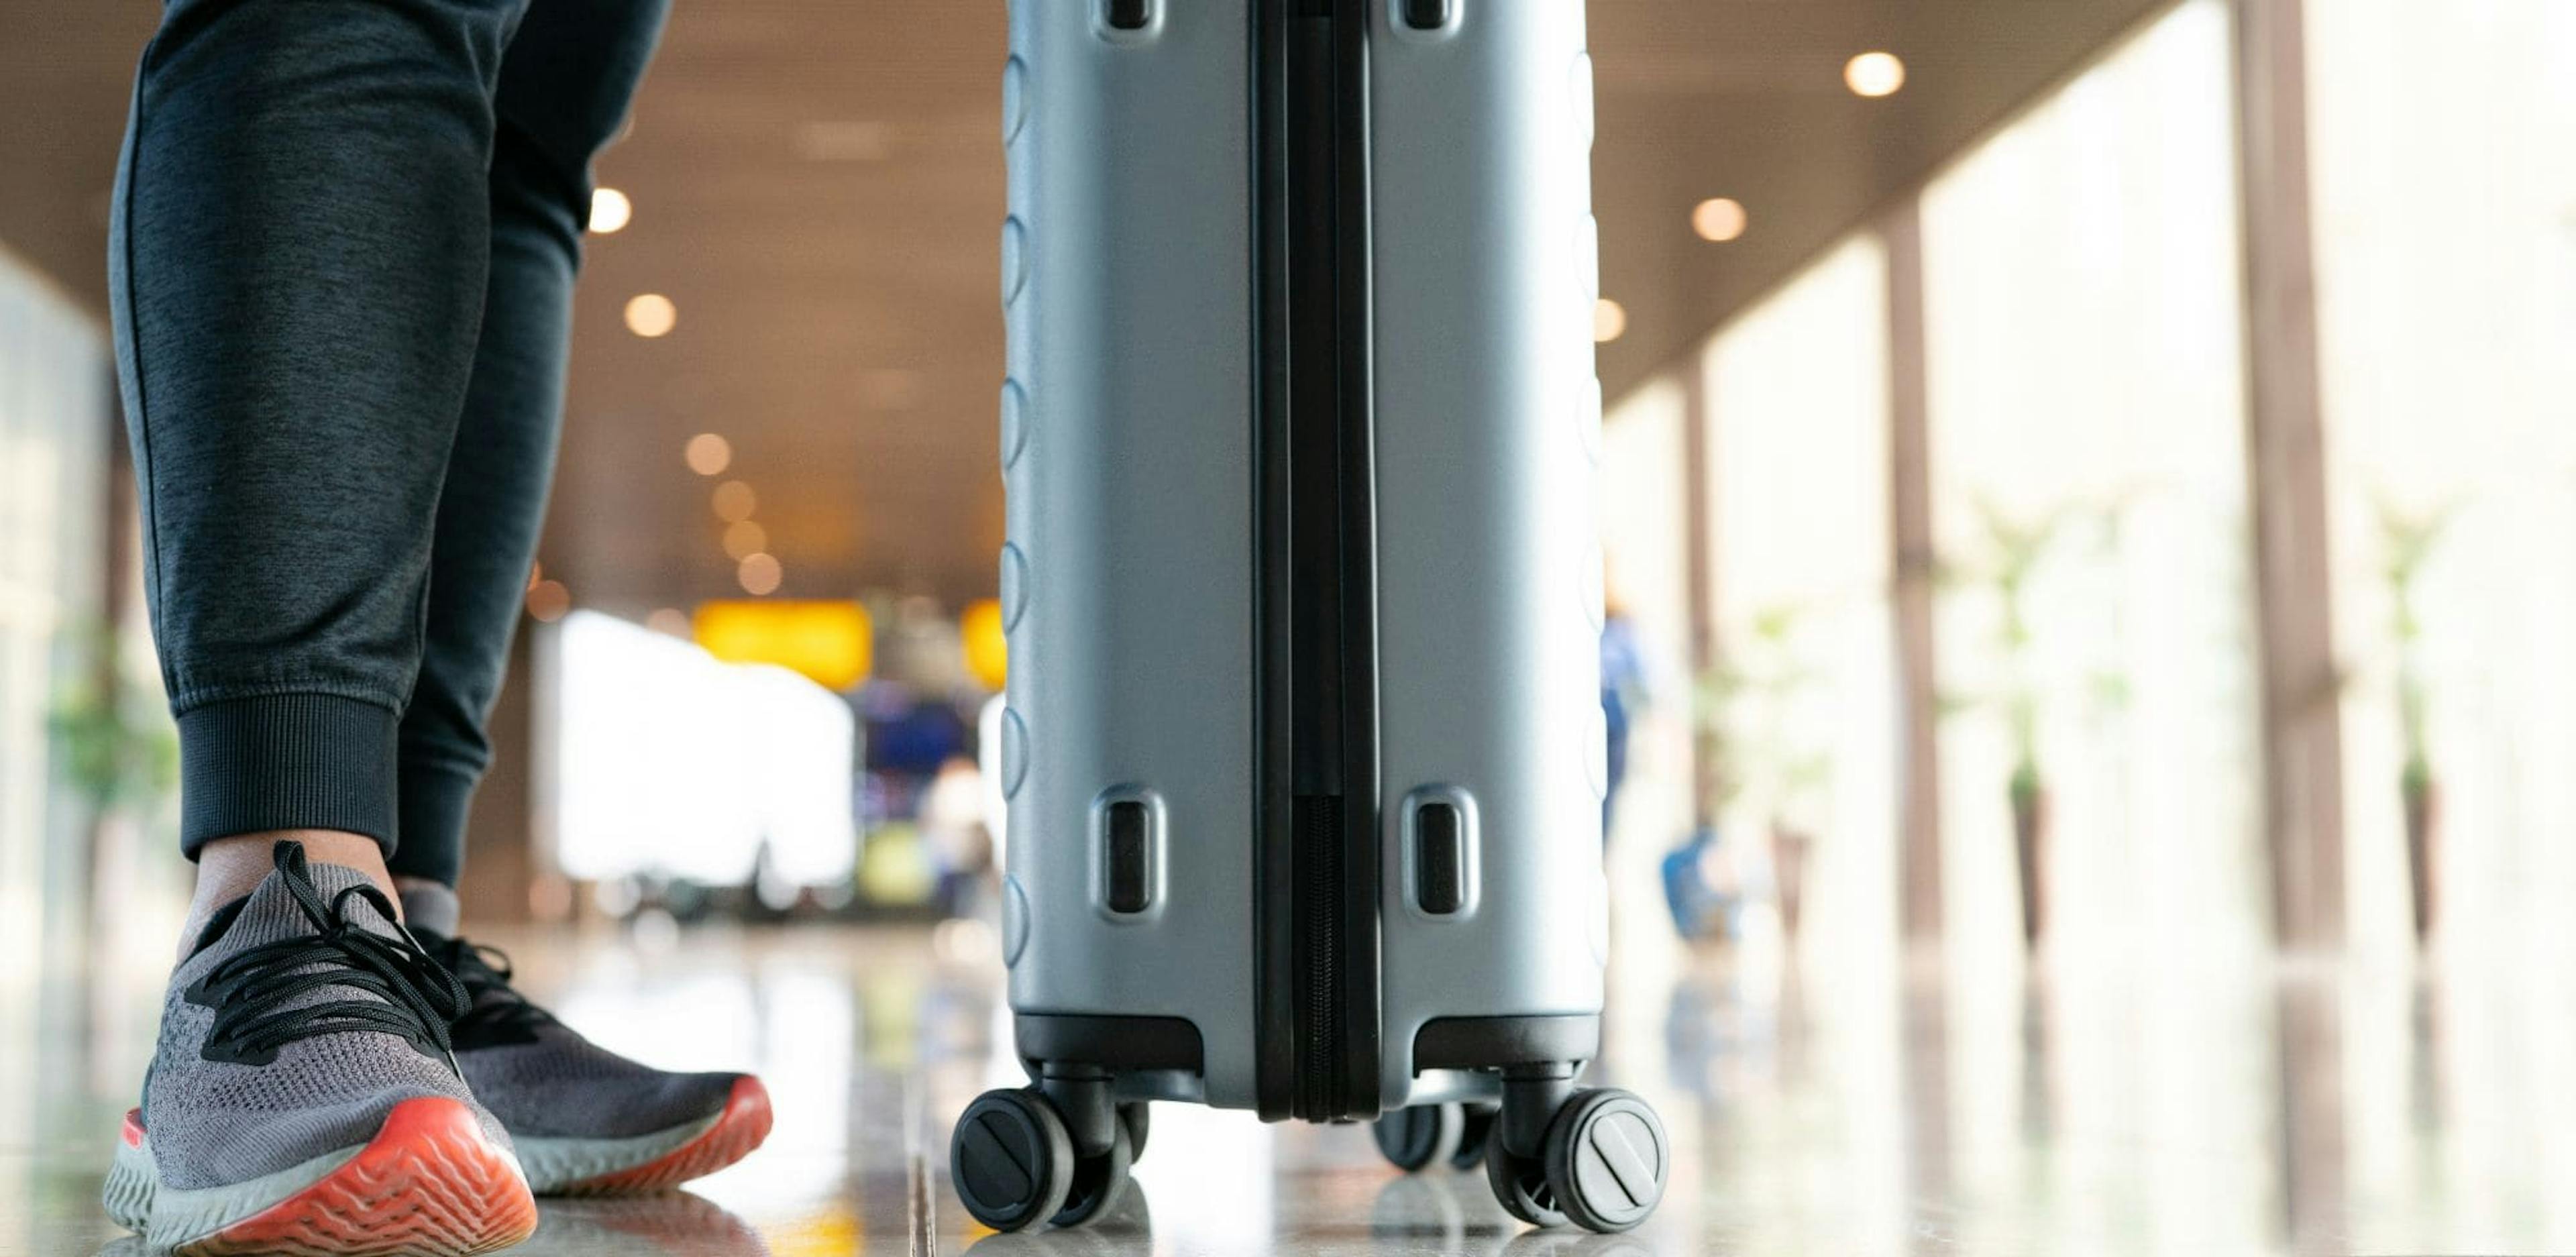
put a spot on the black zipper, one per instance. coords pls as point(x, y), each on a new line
point(1317, 866)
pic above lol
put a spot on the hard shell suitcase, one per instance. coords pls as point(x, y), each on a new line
point(1303, 747)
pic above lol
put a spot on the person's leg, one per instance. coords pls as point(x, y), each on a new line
point(584, 1120)
point(565, 83)
point(297, 266)
point(297, 272)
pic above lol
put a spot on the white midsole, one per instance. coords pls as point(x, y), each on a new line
point(167, 1217)
point(555, 1163)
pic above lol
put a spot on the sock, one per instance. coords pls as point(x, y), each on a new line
point(429, 906)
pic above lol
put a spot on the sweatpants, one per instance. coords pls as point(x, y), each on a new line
point(341, 263)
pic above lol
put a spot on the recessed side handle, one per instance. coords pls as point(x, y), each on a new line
point(1440, 858)
point(1128, 831)
point(1127, 840)
point(1440, 853)
point(1128, 15)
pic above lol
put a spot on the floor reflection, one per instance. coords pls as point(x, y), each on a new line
point(2305, 1110)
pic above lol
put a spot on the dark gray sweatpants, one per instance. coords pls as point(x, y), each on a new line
point(342, 259)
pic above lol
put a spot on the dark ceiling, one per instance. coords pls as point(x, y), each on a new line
point(818, 185)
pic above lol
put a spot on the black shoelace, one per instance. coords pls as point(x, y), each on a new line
point(251, 992)
point(497, 1014)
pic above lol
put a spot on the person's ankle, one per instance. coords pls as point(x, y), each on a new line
point(229, 868)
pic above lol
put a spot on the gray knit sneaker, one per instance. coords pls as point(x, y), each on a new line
point(303, 1097)
point(586, 1121)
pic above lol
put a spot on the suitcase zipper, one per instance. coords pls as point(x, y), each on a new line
point(1317, 1038)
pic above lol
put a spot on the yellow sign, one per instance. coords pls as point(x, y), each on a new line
point(988, 652)
point(832, 642)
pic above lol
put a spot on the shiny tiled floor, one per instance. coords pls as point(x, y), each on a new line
point(2094, 1113)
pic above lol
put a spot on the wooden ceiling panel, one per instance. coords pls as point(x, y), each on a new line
point(818, 185)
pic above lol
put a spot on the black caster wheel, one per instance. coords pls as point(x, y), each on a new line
point(1098, 1180)
point(1011, 1160)
point(1138, 1117)
point(1471, 1142)
point(1520, 1183)
point(1607, 1158)
point(1420, 1137)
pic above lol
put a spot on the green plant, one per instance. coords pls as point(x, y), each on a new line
point(2014, 551)
point(1745, 711)
point(2407, 543)
point(118, 749)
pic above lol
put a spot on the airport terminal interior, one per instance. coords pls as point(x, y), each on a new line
point(2085, 486)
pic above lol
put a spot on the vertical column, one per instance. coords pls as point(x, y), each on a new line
point(1910, 554)
point(1699, 558)
point(2286, 482)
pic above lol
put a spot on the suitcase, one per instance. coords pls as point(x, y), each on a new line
point(1303, 748)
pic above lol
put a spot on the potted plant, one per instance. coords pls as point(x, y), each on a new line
point(2015, 549)
point(2407, 542)
point(1748, 739)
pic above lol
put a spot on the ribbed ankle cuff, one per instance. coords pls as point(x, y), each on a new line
point(433, 808)
point(286, 761)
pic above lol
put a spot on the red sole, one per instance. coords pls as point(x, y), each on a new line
point(739, 1129)
point(428, 1185)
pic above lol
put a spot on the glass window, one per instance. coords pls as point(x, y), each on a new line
point(2443, 156)
point(1797, 394)
point(2087, 434)
point(53, 448)
point(1643, 537)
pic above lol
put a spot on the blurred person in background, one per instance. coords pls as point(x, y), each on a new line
point(1623, 698)
point(341, 263)
point(952, 822)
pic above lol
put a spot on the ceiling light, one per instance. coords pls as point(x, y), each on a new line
point(708, 454)
point(1874, 74)
point(734, 501)
point(745, 538)
point(759, 574)
point(548, 600)
point(1609, 319)
point(670, 621)
point(609, 210)
point(1718, 219)
point(651, 315)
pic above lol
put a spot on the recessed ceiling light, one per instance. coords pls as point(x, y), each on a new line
point(670, 620)
point(651, 314)
point(609, 211)
point(1718, 219)
point(745, 538)
point(1874, 74)
point(1609, 319)
point(734, 501)
point(759, 574)
point(548, 600)
point(708, 454)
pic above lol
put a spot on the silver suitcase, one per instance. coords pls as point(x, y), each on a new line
point(1303, 589)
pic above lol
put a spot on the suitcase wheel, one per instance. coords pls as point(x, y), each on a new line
point(1011, 1159)
point(1607, 1159)
point(1098, 1180)
point(1418, 1138)
point(1602, 1165)
point(1414, 1138)
point(1138, 1118)
point(1471, 1142)
point(1520, 1183)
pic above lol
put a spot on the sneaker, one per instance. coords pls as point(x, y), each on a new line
point(304, 1097)
point(586, 1121)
